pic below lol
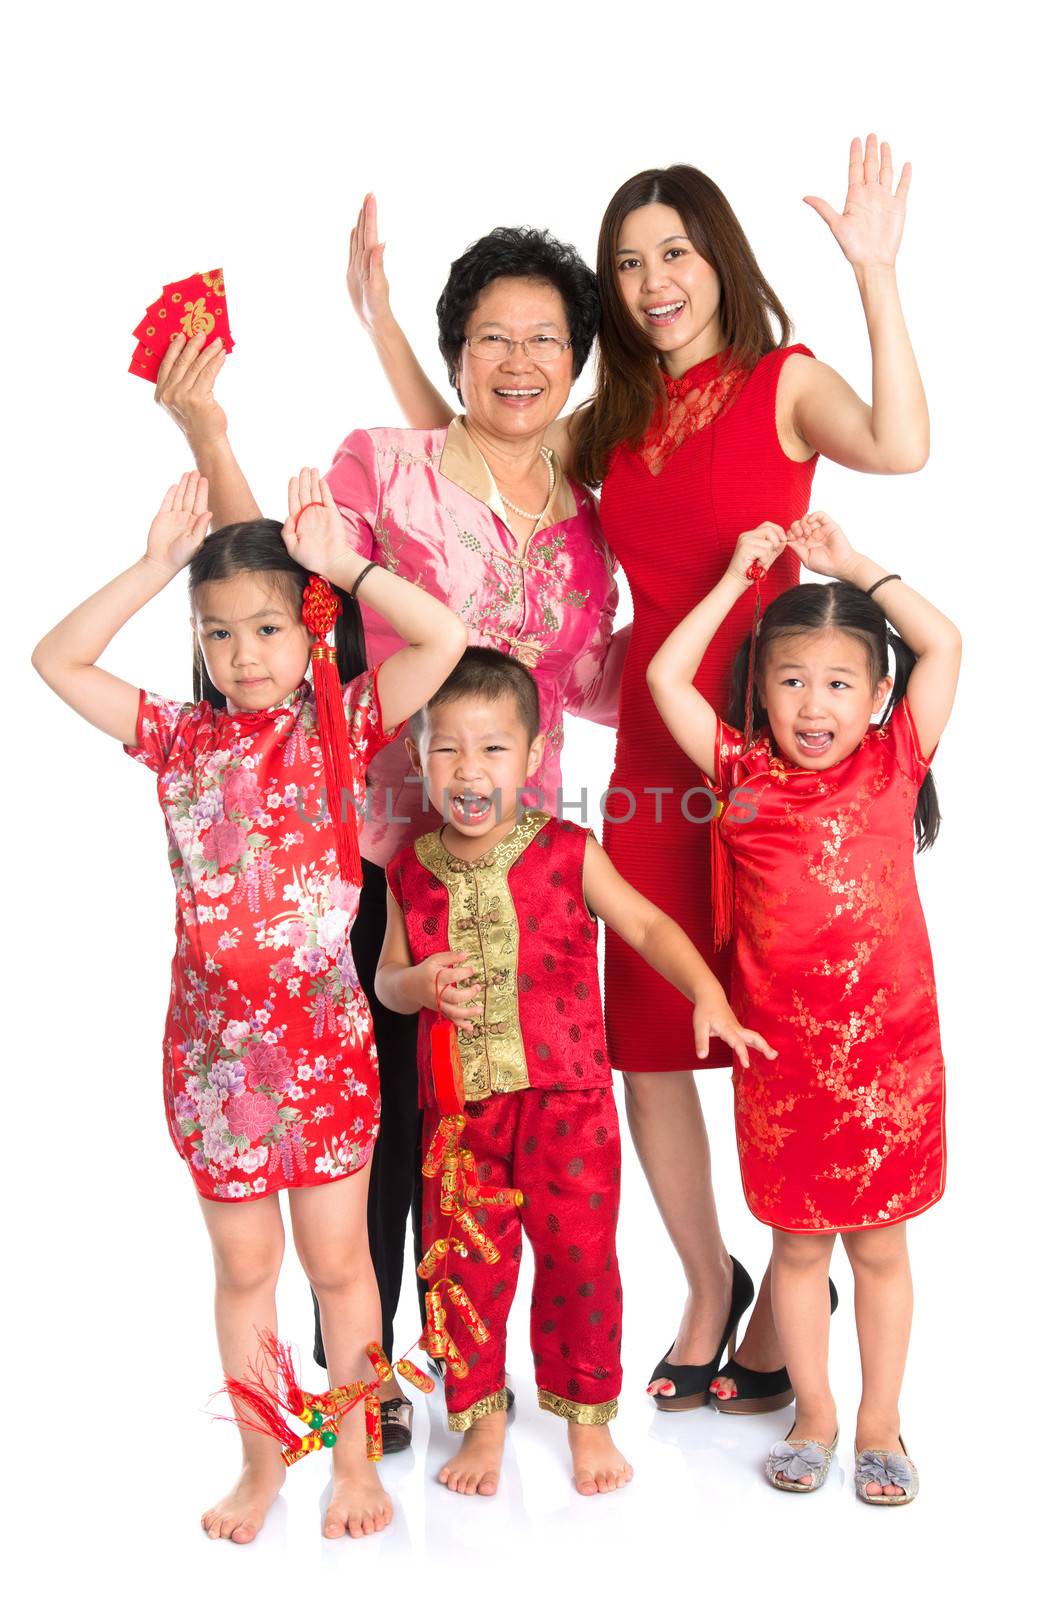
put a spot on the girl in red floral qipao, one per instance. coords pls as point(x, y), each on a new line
point(270, 1071)
point(843, 1131)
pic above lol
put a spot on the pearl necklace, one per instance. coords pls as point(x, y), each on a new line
point(531, 516)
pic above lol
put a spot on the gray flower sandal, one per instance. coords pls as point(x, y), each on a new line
point(793, 1459)
point(885, 1468)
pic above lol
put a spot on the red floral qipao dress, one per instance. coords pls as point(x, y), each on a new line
point(831, 964)
point(270, 1071)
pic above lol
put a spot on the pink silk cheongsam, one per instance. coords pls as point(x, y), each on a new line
point(423, 503)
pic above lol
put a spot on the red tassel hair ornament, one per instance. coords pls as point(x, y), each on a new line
point(722, 867)
point(320, 610)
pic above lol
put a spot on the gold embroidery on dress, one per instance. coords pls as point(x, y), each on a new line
point(483, 923)
point(461, 1421)
point(596, 1416)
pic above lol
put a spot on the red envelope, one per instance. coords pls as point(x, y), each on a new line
point(198, 305)
point(156, 322)
point(190, 306)
point(145, 363)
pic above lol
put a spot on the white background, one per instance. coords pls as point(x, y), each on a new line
point(150, 142)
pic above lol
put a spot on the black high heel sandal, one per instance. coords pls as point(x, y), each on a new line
point(691, 1383)
point(759, 1391)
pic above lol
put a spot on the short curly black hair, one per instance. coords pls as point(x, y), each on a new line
point(518, 253)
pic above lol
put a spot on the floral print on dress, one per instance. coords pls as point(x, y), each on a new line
point(270, 1069)
point(832, 965)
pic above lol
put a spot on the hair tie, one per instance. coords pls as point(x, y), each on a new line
point(368, 568)
point(320, 610)
point(307, 507)
point(880, 581)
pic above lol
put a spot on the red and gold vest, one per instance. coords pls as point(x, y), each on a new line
point(519, 911)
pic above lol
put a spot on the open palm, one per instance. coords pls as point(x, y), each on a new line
point(178, 528)
point(868, 229)
point(365, 275)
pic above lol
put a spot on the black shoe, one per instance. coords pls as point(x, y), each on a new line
point(397, 1424)
point(691, 1383)
point(760, 1391)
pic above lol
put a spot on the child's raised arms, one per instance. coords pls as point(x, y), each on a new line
point(435, 638)
point(689, 717)
point(822, 547)
point(65, 658)
point(663, 944)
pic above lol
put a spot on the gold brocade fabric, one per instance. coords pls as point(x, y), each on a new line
point(483, 922)
point(573, 1411)
point(461, 1421)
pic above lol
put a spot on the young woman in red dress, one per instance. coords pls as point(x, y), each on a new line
point(842, 1130)
point(704, 421)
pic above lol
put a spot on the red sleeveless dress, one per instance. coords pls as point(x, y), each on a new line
point(672, 512)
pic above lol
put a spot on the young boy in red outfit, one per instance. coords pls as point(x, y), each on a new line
point(498, 908)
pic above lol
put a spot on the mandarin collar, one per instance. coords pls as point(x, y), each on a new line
point(281, 708)
point(700, 373)
point(462, 462)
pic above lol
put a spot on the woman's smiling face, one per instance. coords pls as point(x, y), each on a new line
point(668, 288)
point(517, 396)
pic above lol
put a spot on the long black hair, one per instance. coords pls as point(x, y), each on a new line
point(809, 608)
point(258, 547)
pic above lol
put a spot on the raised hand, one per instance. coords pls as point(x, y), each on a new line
point(869, 228)
point(763, 544)
point(178, 528)
point(365, 275)
point(185, 387)
point(314, 532)
point(821, 545)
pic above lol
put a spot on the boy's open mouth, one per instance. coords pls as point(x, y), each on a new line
point(470, 807)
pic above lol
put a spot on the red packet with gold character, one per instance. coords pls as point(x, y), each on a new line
point(193, 305)
point(197, 305)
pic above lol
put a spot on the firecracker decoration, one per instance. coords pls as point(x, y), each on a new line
point(320, 610)
point(722, 868)
point(266, 1398)
point(459, 1190)
point(271, 1392)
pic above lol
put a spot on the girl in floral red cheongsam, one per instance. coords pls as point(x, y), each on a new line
point(270, 1071)
point(843, 1131)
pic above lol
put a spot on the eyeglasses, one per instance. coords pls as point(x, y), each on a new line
point(543, 348)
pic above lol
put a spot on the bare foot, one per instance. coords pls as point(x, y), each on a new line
point(358, 1503)
point(598, 1464)
point(239, 1514)
point(477, 1466)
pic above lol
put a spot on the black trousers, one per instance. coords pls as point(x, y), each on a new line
point(395, 1167)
